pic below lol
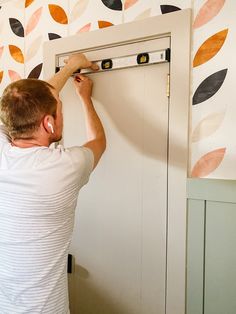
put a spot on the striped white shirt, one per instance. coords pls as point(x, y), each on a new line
point(39, 187)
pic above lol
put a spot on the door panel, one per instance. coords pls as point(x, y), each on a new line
point(119, 240)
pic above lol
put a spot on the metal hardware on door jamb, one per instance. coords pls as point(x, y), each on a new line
point(168, 86)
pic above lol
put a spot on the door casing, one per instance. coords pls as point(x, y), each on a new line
point(177, 25)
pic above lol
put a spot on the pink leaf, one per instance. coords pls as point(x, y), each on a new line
point(208, 163)
point(85, 28)
point(34, 48)
point(1, 51)
point(129, 3)
point(14, 76)
point(78, 9)
point(207, 12)
point(33, 21)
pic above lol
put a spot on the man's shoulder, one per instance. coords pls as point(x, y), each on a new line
point(65, 167)
point(77, 155)
point(70, 155)
point(4, 136)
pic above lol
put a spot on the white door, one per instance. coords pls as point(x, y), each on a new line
point(119, 241)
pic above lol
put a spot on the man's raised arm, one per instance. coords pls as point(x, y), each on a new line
point(94, 129)
point(72, 64)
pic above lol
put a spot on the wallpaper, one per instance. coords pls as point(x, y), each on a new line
point(213, 146)
point(26, 24)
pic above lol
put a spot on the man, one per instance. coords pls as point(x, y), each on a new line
point(39, 186)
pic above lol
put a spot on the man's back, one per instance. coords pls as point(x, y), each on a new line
point(38, 194)
point(39, 188)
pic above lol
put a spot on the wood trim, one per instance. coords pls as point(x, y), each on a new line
point(177, 25)
point(212, 190)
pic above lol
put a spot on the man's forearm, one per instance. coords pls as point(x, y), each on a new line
point(96, 139)
point(94, 128)
point(60, 78)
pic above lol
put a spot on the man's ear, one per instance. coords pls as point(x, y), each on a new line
point(48, 124)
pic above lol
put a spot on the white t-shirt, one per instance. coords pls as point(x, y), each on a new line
point(39, 187)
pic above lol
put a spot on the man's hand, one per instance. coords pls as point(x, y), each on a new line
point(83, 86)
point(73, 63)
point(79, 61)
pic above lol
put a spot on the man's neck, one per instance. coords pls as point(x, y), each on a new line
point(27, 143)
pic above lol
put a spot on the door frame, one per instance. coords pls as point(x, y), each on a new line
point(177, 26)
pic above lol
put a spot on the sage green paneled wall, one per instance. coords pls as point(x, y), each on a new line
point(211, 254)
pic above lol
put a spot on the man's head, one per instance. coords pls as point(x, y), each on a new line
point(30, 105)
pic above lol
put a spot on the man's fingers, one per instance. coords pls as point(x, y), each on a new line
point(77, 79)
point(81, 61)
point(80, 77)
point(94, 66)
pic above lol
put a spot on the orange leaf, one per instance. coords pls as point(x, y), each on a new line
point(208, 163)
point(16, 53)
point(1, 76)
point(207, 12)
point(129, 3)
point(210, 48)
point(58, 14)
point(103, 24)
point(28, 2)
point(14, 76)
point(33, 21)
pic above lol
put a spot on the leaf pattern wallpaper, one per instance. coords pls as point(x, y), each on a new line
point(113, 4)
point(16, 27)
point(207, 126)
point(210, 48)
point(26, 24)
point(208, 163)
point(33, 21)
point(14, 76)
point(207, 12)
point(87, 15)
point(213, 113)
point(1, 76)
point(11, 42)
point(58, 14)
point(78, 10)
point(168, 8)
point(209, 86)
point(1, 51)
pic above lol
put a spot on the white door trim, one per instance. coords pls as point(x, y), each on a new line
point(177, 25)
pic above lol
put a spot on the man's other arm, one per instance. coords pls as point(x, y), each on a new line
point(94, 129)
